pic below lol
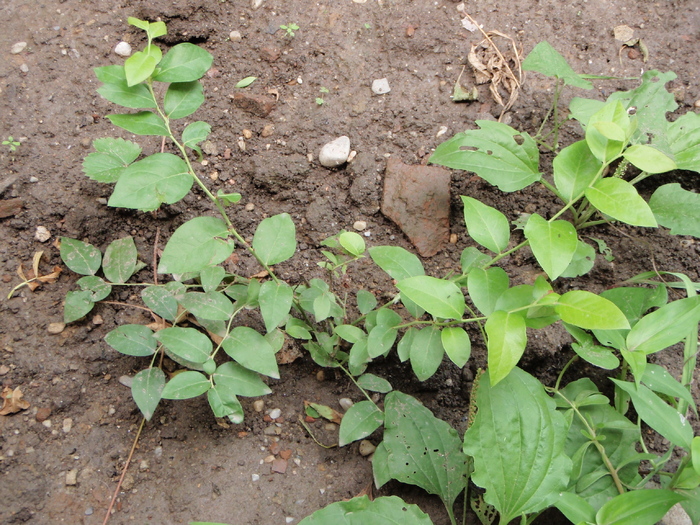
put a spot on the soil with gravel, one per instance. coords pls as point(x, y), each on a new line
point(187, 466)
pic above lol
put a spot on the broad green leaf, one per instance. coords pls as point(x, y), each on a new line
point(399, 263)
point(546, 60)
point(426, 352)
point(138, 67)
point(589, 311)
point(183, 98)
point(637, 507)
point(146, 389)
point(96, 286)
point(240, 380)
point(350, 333)
point(187, 343)
point(609, 121)
point(575, 169)
point(619, 199)
point(186, 385)
point(275, 239)
point(423, 450)
point(161, 301)
point(553, 243)
point(275, 301)
point(352, 242)
point(635, 301)
point(366, 301)
point(374, 383)
point(649, 159)
point(142, 123)
point(586, 349)
point(207, 305)
point(507, 338)
point(665, 327)
point(437, 297)
point(211, 277)
point(575, 508)
point(684, 141)
point(183, 63)
point(117, 90)
point(194, 134)
point(695, 450)
point(297, 328)
point(659, 380)
point(110, 160)
point(486, 286)
point(486, 225)
point(359, 421)
point(152, 181)
point(200, 242)
point(663, 418)
point(120, 260)
point(361, 510)
point(223, 403)
point(501, 155)
point(472, 258)
point(381, 337)
point(245, 82)
point(251, 350)
point(582, 109)
point(77, 305)
point(457, 345)
point(403, 349)
point(153, 29)
point(358, 358)
point(582, 261)
point(677, 209)
point(132, 339)
point(80, 257)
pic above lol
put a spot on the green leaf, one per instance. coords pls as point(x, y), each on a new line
point(599, 356)
point(665, 327)
point(659, 380)
point(251, 350)
point(649, 159)
point(677, 209)
point(403, 349)
point(637, 507)
point(426, 352)
point(437, 297)
point(501, 155)
point(663, 418)
point(275, 239)
point(362, 510)
point(352, 242)
point(553, 243)
point(589, 311)
point(132, 339)
point(186, 343)
point(96, 286)
point(582, 261)
point(546, 60)
point(350, 333)
point(80, 257)
point(147, 183)
point(223, 403)
point(183, 63)
point(146, 389)
point(381, 337)
point(374, 383)
point(358, 358)
point(138, 67)
point(207, 305)
point(472, 258)
point(244, 83)
point(609, 121)
point(486, 286)
point(359, 421)
point(695, 451)
point(575, 168)
point(518, 456)
point(142, 123)
point(486, 225)
point(507, 338)
point(457, 345)
point(575, 508)
point(619, 199)
point(77, 305)
point(297, 328)
point(194, 134)
point(120, 260)
point(275, 301)
point(200, 242)
point(211, 277)
point(423, 450)
point(399, 263)
point(366, 301)
point(110, 160)
point(183, 98)
point(161, 300)
point(684, 141)
point(240, 380)
point(117, 90)
point(186, 385)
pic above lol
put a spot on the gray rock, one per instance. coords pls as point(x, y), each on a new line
point(335, 152)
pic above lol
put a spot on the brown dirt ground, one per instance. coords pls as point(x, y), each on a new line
point(187, 467)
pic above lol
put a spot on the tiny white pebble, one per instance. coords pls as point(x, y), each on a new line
point(123, 49)
point(18, 48)
point(289, 519)
point(275, 413)
point(255, 477)
point(360, 225)
point(24, 68)
point(235, 36)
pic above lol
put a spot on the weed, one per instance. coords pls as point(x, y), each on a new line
point(319, 100)
point(11, 143)
point(290, 29)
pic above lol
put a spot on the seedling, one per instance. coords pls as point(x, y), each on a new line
point(11, 143)
point(290, 29)
point(319, 100)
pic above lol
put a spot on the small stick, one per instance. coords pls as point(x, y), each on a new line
point(155, 257)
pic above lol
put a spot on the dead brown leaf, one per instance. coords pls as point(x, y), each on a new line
point(12, 401)
point(33, 279)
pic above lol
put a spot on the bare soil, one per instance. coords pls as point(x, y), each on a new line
point(187, 465)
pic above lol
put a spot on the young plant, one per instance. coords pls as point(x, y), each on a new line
point(11, 143)
point(290, 29)
point(319, 99)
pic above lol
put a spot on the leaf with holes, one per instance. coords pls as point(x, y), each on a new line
point(363, 510)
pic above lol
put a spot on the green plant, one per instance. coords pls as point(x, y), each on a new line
point(290, 29)
point(11, 143)
point(319, 99)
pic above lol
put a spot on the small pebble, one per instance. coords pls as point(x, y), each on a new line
point(67, 425)
point(441, 131)
point(360, 225)
point(158, 451)
point(42, 234)
point(18, 47)
point(255, 477)
point(697, 103)
point(127, 381)
point(453, 238)
point(335, 152)
point(267, 130)
point(235, 36)
point(366, 448)
point(247, 134)
point(241, 143)
point(56, 328)
point(345, 403)
point(89, 511)
point(144, 465)
point(72, 477)
point(272, 430)
point(43, 414)
point(123, 49)
point(46, 423)
point(24, 68)
point(380, 86)
point(33, 179)
point(102, 201)
point(97, 320)
point(258, 405)
point(250, 207)
point(288, 519)
point(330, 427)
point(269, 459)
point(255, 4)
point(320, 375)
point(275, 413)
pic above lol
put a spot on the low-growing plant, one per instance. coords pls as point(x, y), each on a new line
point(529, 446)
point(319, 100)
point(11, 143)
point(290, 29)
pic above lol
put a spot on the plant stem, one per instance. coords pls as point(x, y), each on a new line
point(505, 254)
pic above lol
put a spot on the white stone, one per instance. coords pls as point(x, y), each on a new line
point(345, 403)
point(366, 448)
point(275, 413)
point(360, 225)
point(258, 405)
point(380, 86)
point(67, 425)
point(42, 234)
point(18, 48)
point(235, 36)
point(255, 4)
point(335, 153)
point(123, 49)
point(24, 68)
point(72, 477)
point(255, 477)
